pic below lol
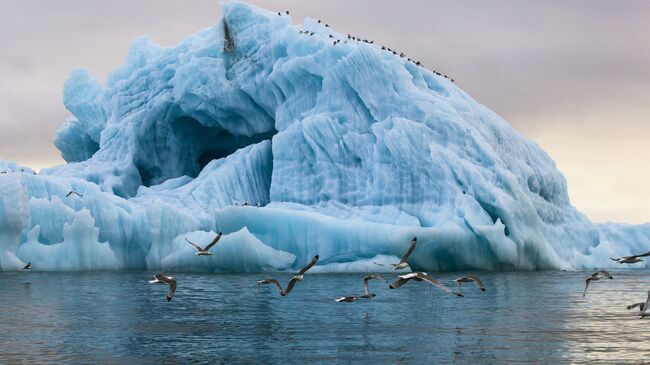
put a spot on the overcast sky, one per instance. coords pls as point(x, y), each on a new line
point(572, 75)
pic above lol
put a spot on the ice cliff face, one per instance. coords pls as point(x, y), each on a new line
point(350, 149)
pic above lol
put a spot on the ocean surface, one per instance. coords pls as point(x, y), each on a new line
point(118, 318)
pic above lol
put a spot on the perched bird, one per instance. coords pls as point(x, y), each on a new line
point(298, 277)
point(402, 263)
point(161, 278)
point(469, 279)
point(279, 14)
point(366, 292)
point(630, 259)
point(600, 274)
point(73, 192)
point(205, 251)
point(28, 266)
point(421, 276)
point(644, 307)
point(287, 12)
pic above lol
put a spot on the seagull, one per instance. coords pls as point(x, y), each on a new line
point(73, 192)
point(28, 266)
point(161, 278)
point(630, 259)
point(204, 251)
point(366, 292)
point(600, 274)
point(298, 277)
point(420, 276)
point(287, 12)
point(643, 306)
point(402, 263)
point(469, 279)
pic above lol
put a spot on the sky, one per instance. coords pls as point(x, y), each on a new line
point(574, 76)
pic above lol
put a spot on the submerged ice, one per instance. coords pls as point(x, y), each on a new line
point(349, 150)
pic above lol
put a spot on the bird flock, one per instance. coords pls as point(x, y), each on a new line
point(352, 38)
point(161, 278)
point(644, 309)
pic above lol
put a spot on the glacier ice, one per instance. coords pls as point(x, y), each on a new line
point(349, 151)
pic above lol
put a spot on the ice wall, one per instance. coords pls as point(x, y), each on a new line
point(349, 149)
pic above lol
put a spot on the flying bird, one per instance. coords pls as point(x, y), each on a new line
point(366, 292)
point(28, 266)
point(161, 278)
point(468, 279)
point(297, 277)
point(73, 192)
point(421, 276)
point(402, 263)
point(205, 251)
point(644, 307)
point(600, 274)
point(630, 259)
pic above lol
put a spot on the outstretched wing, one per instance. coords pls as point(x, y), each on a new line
point(68, 194)
point(408, 253)
point(270, 281)
point(641, 305)
point(290, 286)
point(401, 280)
point(477, 281)
point(214, 241)
point(586, 286)
point(172, 289)
point(435, 282)
point(643, 254)
point(164, 278)
point(366, 290)
point(606, 273)
point(313, 262)
point(646, 304)
point(193, 244)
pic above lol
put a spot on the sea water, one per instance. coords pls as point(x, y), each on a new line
point(117, 317)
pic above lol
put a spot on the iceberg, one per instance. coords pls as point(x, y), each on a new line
point(293, 145)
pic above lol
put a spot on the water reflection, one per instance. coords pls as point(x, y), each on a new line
point(112, 317)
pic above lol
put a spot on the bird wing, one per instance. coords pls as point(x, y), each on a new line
point(586, 286)
point(214, 241)
point(640, 305)
point(409, 251)
point(646, 305)
point(271, 281)
point(435, 282)
point(68, 194)
point(290, 286)
point(606, 273)
point(477, 281)
point(458, 284)
point(313, 262)
point(366, 290)
point(165, 279)
point(643, 254)
point(172, 289)
point(401, 280)
point(193, 244)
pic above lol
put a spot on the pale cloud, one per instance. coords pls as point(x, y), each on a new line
point(571, 75)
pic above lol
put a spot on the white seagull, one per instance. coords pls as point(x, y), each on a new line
point(644, 307)
point(298, 277)
point(421, 276)
point(633, 259)
point(205, 251)
point(161, 278)
point(468, 279)
point(366, 292)
point(600, 274)
point(402, 264)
